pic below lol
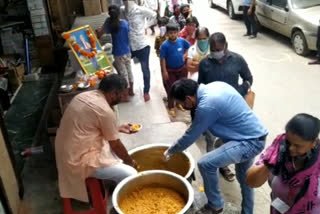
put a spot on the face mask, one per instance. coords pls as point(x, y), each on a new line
point(185, 14)
point(191, 29)
point(203, 45)
point(217, 54)
point(163, 31)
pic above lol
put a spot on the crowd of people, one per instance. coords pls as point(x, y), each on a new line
point(202, 75)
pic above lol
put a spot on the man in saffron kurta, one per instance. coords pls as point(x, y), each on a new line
point(87, 142)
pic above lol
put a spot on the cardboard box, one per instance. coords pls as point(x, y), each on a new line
point(15, 76)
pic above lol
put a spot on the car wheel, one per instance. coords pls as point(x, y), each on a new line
point(299, 43)
point(231, 10)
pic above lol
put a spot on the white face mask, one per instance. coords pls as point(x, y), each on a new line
point(217, 54)
point(163, 31)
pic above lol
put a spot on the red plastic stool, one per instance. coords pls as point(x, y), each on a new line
point(99, 198)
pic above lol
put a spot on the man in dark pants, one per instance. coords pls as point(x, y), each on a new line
point(317, 61)
point(225, 66)
point(249, 18)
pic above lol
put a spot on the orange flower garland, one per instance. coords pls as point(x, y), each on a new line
point(79, 49)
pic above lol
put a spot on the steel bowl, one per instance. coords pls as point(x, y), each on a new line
point(82, 85)
point(66, 88)
point(159, 178)
point(150, 157)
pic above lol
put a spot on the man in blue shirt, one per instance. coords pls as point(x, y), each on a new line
point(173, 53)
point(249, 18)
point(220, 109)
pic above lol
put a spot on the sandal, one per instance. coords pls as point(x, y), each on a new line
point(180, 107)
point(227, 174)
point(172, 112)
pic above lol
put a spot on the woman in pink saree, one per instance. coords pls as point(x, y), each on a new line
point(292, 167)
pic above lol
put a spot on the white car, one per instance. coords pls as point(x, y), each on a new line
point(295, 19)
point(234, 7)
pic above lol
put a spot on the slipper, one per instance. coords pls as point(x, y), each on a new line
point(172, 112)
point(180, 107)
point(227, 174)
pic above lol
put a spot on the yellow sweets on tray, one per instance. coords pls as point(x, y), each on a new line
point(135, 127)
point(152, 200)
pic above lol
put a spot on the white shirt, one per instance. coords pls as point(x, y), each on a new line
point(151, 4)
point(136, 17)
point(192, 52)
point(195, 54)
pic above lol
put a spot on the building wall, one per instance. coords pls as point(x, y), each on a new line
point(8, 177)
point(38, 17)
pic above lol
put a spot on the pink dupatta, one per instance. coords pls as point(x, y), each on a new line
point(310, 200)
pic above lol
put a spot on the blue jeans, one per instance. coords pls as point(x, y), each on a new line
point(143, 57)
point(240, 153)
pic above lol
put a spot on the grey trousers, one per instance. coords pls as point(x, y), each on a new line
point(123, 66)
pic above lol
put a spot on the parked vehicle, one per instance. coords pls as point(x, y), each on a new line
point(295, 19)
point(232, 6)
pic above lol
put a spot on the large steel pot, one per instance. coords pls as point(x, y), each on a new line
point(150, 157)
point(158, 178)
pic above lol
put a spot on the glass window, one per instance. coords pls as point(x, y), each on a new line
point(300, 4)
point(279, 3)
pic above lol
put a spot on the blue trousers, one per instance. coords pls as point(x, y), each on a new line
point(240, 153)
point(143, 57)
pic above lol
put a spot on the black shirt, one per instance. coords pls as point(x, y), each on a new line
point(228, 71)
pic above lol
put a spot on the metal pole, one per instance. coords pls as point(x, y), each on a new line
point(27, 55)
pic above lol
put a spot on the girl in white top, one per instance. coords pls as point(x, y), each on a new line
point(198, 52)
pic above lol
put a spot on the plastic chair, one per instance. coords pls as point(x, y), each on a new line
point(98, 195)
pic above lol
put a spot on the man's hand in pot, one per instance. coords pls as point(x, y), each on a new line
point(166, 155)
